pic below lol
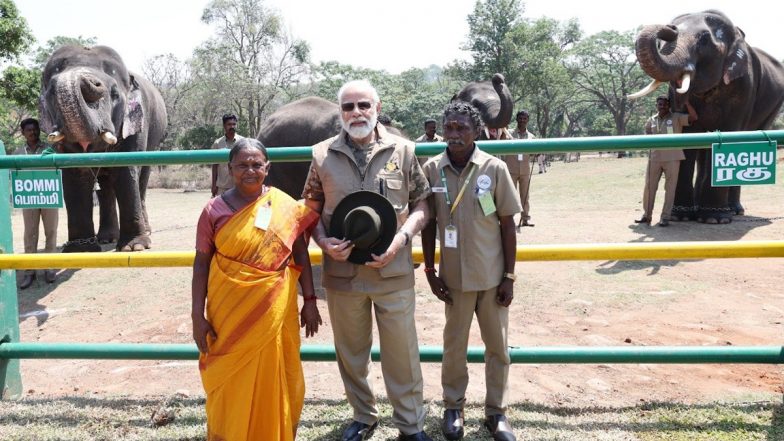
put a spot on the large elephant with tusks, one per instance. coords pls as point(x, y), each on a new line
point(705, 59)
point(91, 103)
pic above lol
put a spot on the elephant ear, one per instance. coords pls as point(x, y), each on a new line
point(737, 62)
point(134, 114)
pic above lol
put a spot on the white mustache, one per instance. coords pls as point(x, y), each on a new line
point(455, 141)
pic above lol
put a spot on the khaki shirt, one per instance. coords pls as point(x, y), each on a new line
point(391, 168)
point(659, 126)
point(478, 262)
point(39, 148)
point(519, 165)
point(223, 179)
point(436, 138)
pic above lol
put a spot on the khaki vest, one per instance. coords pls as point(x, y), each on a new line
point(388, 172)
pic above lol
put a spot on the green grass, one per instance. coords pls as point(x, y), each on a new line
point(125, 418)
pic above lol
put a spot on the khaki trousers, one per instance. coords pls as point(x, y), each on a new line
point(32, 218)
point(653, 174)
point(493, 322)
point(352, 328)
point(523, 184)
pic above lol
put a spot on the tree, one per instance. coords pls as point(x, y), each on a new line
point(544, 85)
point(250, 62)
point(174, 80)
point(530, 55)
point(604, 67)
point(15, 36)
point(490, 26)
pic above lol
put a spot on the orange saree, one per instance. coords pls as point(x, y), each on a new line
point(253, 374)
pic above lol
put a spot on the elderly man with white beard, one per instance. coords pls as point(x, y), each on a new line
point(364, 156)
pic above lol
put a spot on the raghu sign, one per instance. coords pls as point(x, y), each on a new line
point(743, 163)
point(37, 188)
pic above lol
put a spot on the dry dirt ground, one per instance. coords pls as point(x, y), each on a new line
point(593, 303)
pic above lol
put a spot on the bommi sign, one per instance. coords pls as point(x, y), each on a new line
point(37, 188)
point(743, 163)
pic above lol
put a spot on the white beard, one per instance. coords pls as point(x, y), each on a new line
point(360, 132)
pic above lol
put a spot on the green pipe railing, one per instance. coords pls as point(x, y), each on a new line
point(284, 154)
point(428, 354)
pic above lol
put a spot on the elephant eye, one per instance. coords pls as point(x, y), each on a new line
point(114, 93)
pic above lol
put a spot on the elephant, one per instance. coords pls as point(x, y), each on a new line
point(732, 86)
point(492, 99)
point(91, 103)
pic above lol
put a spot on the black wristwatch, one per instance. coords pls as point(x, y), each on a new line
point(407, 236)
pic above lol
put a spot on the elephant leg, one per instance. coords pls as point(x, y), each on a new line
point(144, 178)
point(712, 202)
point(108, 225)
point(132, 227)
point(78, 194)
point(683, 206)
point(734, 201)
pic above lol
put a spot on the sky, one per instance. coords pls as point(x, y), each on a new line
point(390, 35)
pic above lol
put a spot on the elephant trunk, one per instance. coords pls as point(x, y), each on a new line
point(499, 116)
point(77, 96)
point(667, 63)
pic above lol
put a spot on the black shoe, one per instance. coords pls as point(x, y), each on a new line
point(359, 431)
point(452, 424)
point(499, 428)
point(664, 223)
point(643, 220)
point(50, 275)
point(421, 436)
point(27, 280)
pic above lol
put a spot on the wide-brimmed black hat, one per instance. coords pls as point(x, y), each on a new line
point(368, 220)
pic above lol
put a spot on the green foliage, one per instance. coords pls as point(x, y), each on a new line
point(249, 62)
point(22, 86)
point(15, 36)
point(605, 68)
point(490, 26)
point(200, 137)
point(530, 55)
point(544, 85)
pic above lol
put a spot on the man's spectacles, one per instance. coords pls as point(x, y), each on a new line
point(362, 105)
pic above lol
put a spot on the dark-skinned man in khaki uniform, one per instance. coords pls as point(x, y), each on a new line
point(472, 206)
point(364, 156)
point(667, 162)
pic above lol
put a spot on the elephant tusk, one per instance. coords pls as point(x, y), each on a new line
point(55, 137)
point(109, 138)
point(646, 90)
point(685, 83)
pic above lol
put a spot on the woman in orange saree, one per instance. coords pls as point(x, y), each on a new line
point(244, 280)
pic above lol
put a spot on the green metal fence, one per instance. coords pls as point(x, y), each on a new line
point(11, 350)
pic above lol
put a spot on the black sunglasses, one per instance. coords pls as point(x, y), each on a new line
point(362, 105)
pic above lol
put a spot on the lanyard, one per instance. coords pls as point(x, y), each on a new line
point(459, 194)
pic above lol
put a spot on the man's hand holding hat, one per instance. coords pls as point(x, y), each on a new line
point(337, 249)
point(388, 256)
